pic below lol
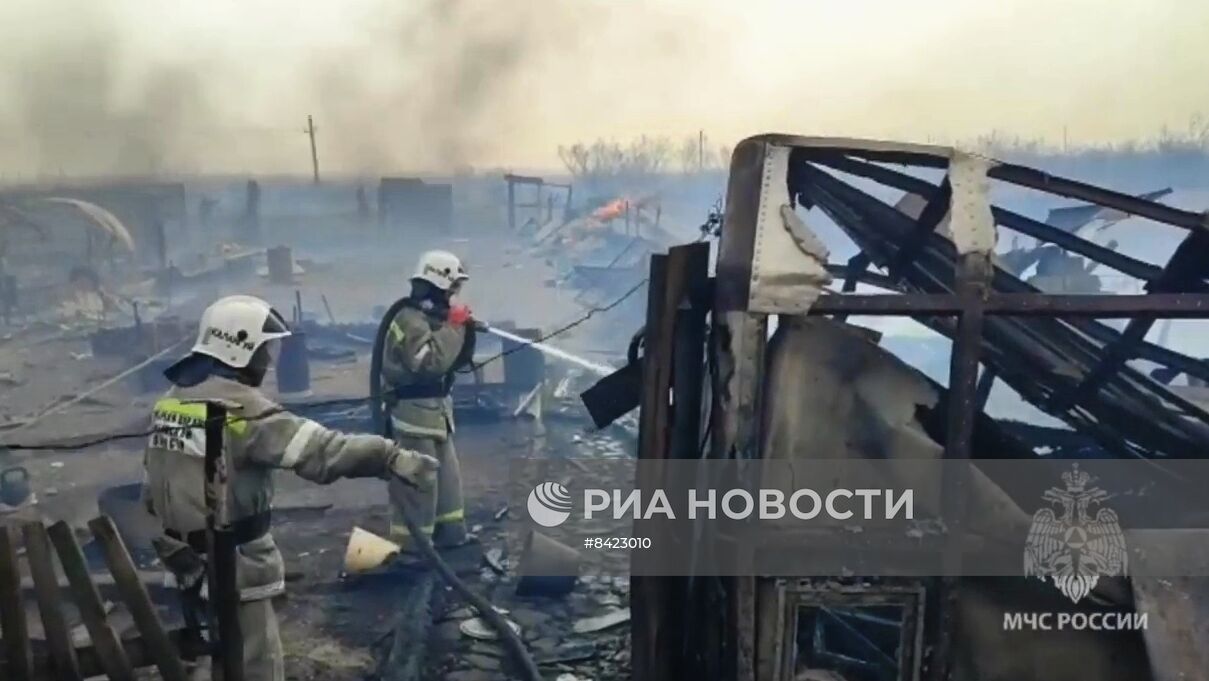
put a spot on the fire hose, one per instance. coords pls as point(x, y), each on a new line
point(381, 425)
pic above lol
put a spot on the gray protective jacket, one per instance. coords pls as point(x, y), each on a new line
point(421, 352)
point(255, 445)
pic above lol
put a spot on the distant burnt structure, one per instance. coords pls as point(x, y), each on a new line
point(410, 204)
point(539, 209)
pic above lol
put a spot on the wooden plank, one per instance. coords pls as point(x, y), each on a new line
point(651, 661)
point(227, 665)
point(660, 625)
point(688, 381)
point(17, 653)
point(50, 601)
point(740, 345)
point(122, 567)
point(136, 650)
point(972, 280)
point(88, 599)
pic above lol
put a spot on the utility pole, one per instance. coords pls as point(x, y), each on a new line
point(310, 130)
point(700, 150)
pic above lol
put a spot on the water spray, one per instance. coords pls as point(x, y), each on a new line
point(601, 369)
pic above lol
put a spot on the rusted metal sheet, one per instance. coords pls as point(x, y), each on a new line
point(50, 607)
point(17, 656)
point(789, 261)
point(84, 592)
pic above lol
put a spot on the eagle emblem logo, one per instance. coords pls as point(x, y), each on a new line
point(1069, 544)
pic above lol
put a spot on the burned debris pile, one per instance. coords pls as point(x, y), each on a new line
point(923, 225)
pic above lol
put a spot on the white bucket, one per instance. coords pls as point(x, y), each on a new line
point(367, 551)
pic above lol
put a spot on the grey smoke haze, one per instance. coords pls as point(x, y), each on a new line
point(131, 86)
point(121, 87)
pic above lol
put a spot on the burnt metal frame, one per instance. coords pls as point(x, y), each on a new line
point(739, 340)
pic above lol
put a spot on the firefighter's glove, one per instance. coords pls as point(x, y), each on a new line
point(419, 470)
point(460, 315)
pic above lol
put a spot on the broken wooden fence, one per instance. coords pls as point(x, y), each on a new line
point(57, 657)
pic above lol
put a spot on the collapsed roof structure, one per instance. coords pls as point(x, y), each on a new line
point(940, 265)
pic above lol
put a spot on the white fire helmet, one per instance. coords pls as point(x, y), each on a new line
point(234, 327)
point(441, 269)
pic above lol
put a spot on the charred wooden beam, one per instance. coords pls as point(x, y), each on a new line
point(17, 654)
point(1144, 350)
point(1170, 305)
point(511, 207)
point(1006, 218)
point(1026, 177)
point(906, 158)
point(523, 179)
point(1131, 417)
point(227, 663)
point(134, 595)
point(972, 281)
point(739, 339)
point(985, 382)
point(84, 592)
point(688, 362)
point(1186, 266)
point(854, 273)
point(1061, 186)
point(651, 632)
point(62, 654)
point(935, 211)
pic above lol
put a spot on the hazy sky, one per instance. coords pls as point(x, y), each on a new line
point(93, 86)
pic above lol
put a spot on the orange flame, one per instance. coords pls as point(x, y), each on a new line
point(612, 209)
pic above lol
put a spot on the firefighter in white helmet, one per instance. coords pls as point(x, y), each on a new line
point(234, 348)
point(428, 341)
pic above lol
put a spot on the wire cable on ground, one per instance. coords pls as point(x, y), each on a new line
point(88, 441)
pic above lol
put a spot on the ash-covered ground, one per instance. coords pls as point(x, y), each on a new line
point(335, 626)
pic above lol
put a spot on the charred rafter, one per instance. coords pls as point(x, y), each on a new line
point(1018, 351)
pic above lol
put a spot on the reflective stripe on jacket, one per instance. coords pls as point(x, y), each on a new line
point(421, 351)
point(259, 438)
